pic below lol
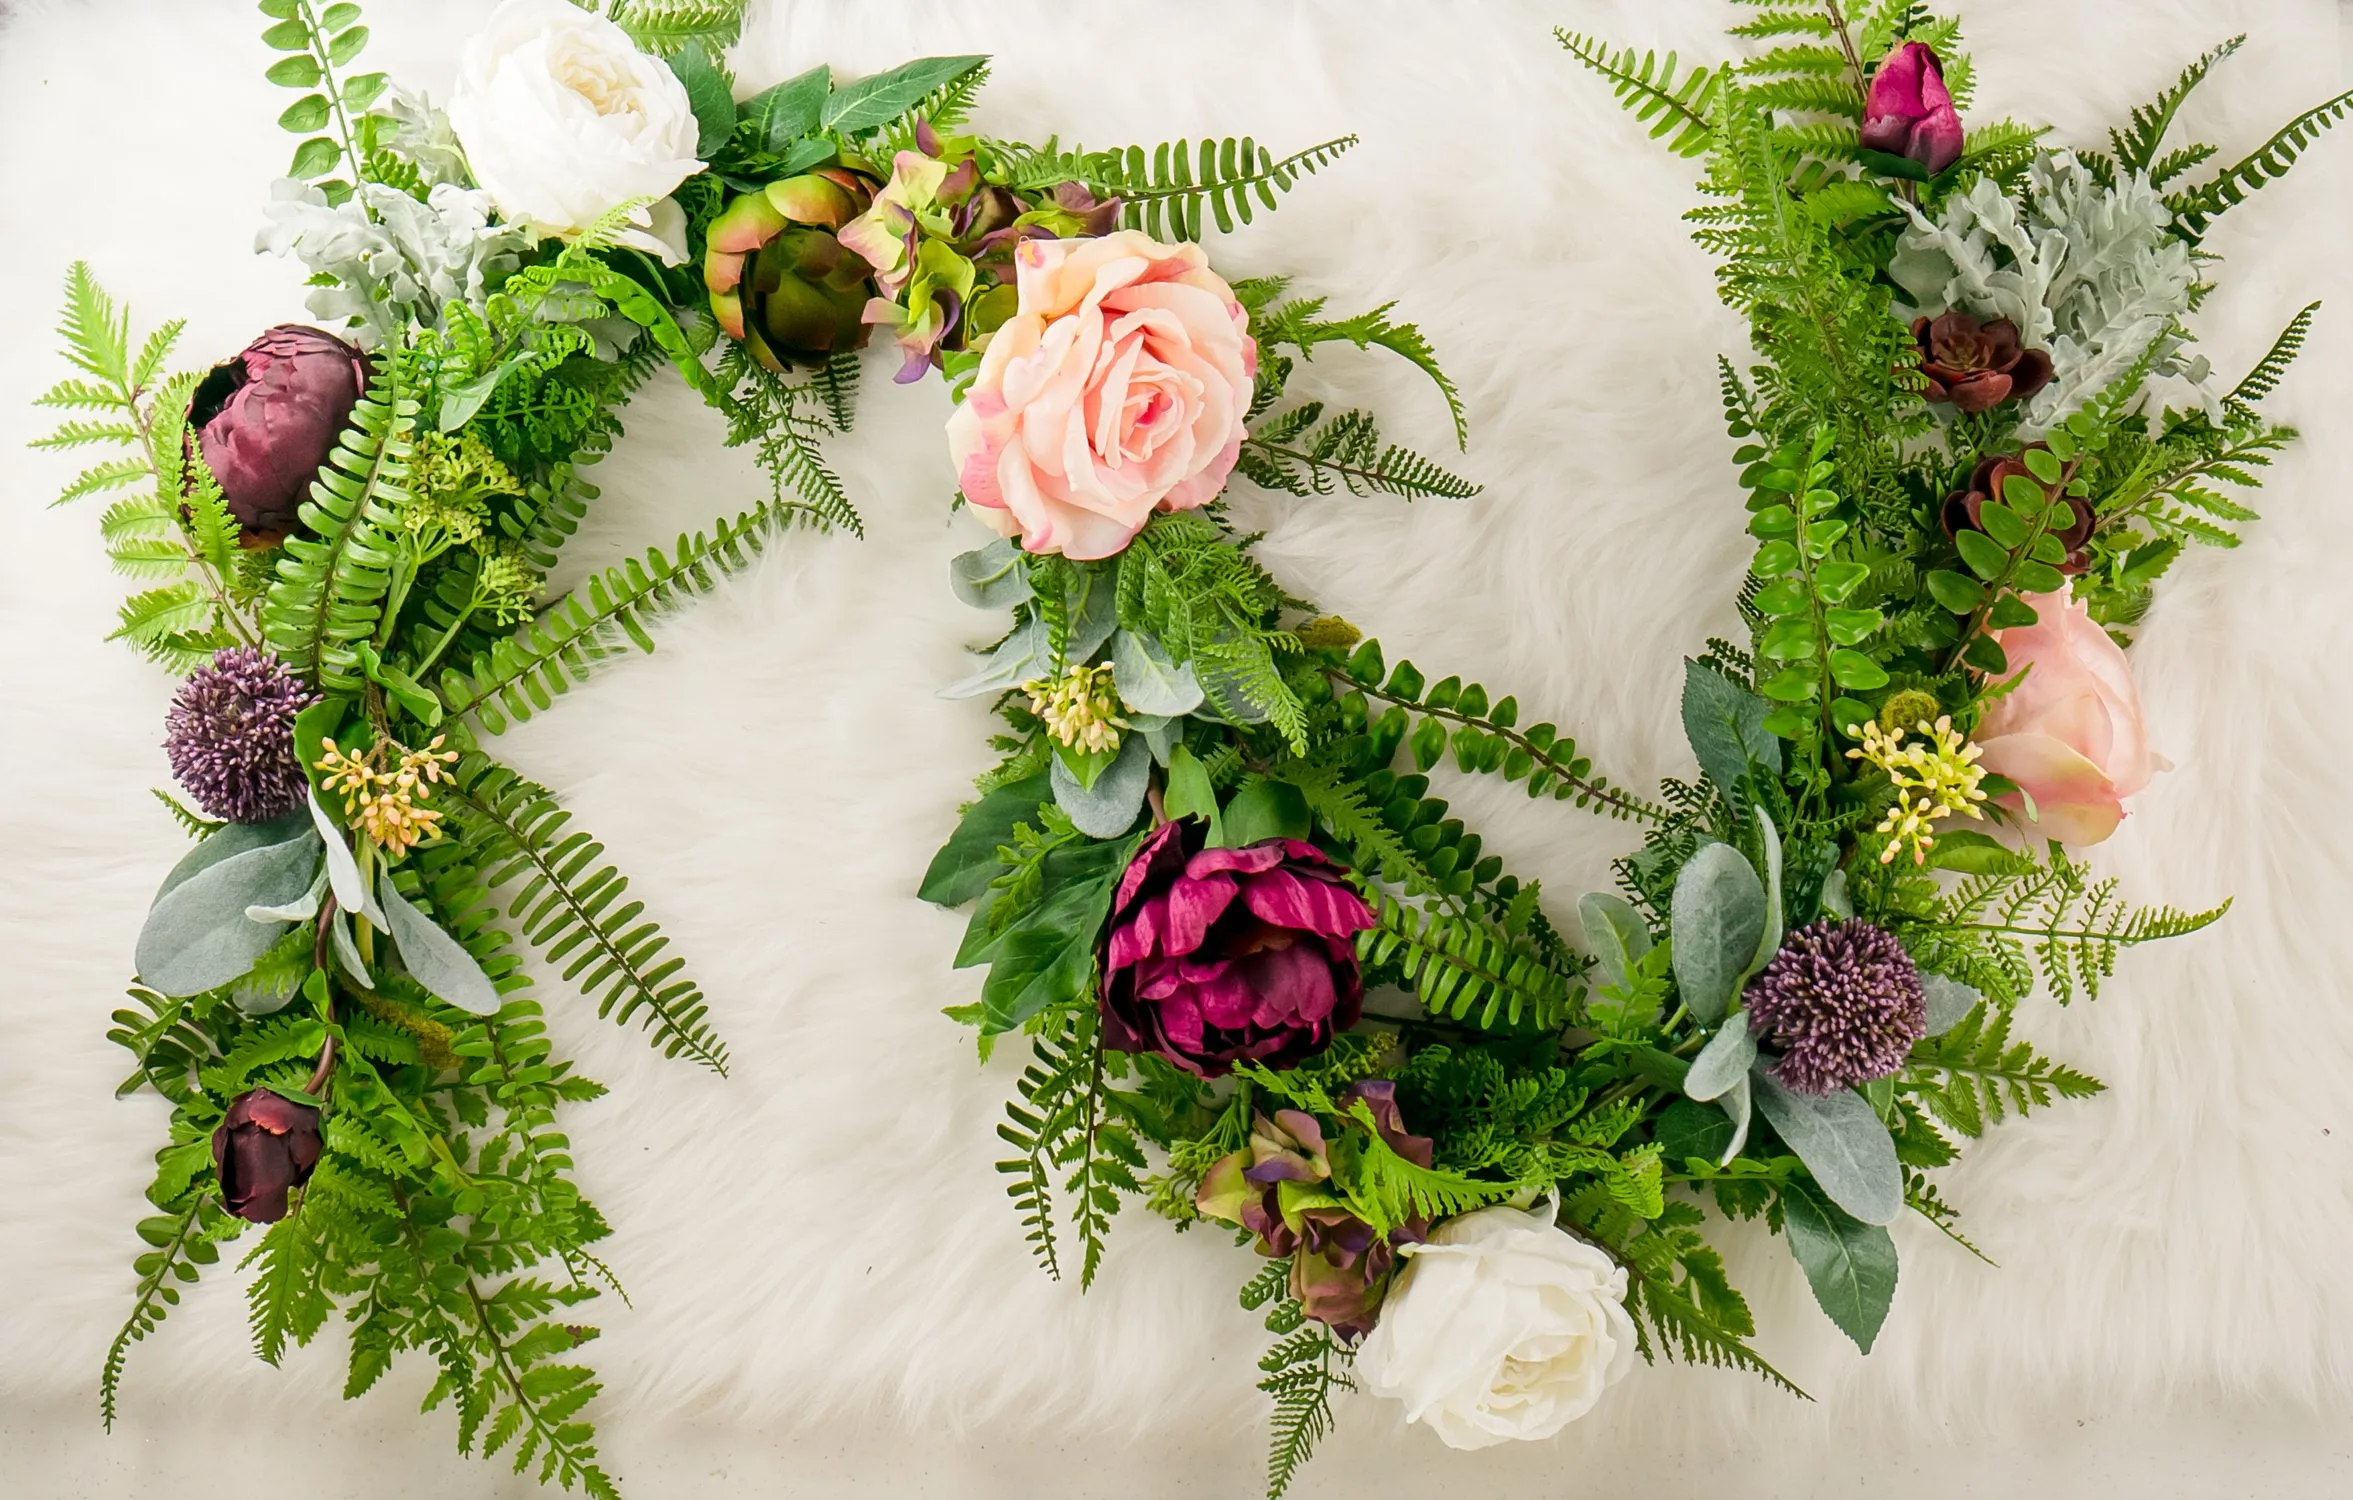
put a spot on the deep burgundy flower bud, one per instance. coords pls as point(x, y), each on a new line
point(1215, 955)
point(266, 1145)
point(1907, 111)
point(267, 419)
point(1977, 366)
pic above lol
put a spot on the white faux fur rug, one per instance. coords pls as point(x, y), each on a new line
point(820, 1240)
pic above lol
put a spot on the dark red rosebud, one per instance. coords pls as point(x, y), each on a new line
point(1908, 112)
point(266, 420)
point(1216, 955)
point(1986, 482)
point(264, 1147)
point(1977, 366)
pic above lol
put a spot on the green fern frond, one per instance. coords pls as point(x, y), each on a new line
point(2265, 377)
point(96, 331)
point(181, 1244)
point(1651, 90)
point(2195, 209)
point(662, 27)
point(1973, 1074)
point(1303, 1370)
point(1462, 969)
point(576, 910)
point(1346, 451)
point(1165, 191)
point(2136, 144)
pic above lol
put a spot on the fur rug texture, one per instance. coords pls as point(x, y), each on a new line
point(822, 1261)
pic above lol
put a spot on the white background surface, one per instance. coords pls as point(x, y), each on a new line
point(831, 1295)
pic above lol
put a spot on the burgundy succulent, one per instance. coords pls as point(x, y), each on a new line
point(1340, 1266)
point(230, 736)
point(1842, 1001)
point(1216, 955)
point(265, 1146)
point(1908, 112)
point(1977, 366)
point(1986, 482)
point(267, 419)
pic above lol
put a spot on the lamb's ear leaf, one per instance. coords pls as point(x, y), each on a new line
point(197, 936)
point(1615, 933)
point(1850, 1265)
point(1736, 1102)
point(436, 960)
point(347, 951)
point(343, 871)
point(1770, 943)
point(228, 841)
point(1724, 1061)
point(991, 577)
point(1842, 1142)
point(1949, 1001)
point(1718, 916)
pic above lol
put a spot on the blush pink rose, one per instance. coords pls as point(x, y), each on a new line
point(2070, 733)
point(1118, 387)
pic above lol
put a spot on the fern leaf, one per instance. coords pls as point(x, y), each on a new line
point(1165, 192)
point(1461, 969)
point(572, 907)
point(2261, 380)
point(1651, 90)
point(2136, 144)
point(2195, 209)
point(662, 27)
point(97, 333)
point(1303, 1370)
point(182, 1243)
point(1973, 1074)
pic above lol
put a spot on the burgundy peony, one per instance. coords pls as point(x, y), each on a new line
point(265, 1146)
point(1216, 955)
point(1977, 366)
point(1907, 111)
point(1987, 481)
point(1340, 1267)
point(267, 419)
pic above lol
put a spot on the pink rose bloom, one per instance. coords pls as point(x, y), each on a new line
point(1118, 387)
point(2070, 734)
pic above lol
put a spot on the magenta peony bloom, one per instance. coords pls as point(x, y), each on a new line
point(265, 1146)
point(1216, 955)
point(1843, 1002)
point(1907, 111)
point(267, 419)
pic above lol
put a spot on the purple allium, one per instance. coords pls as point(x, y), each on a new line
point(230, 736)
point(1215, 955)
point(1843, 1003)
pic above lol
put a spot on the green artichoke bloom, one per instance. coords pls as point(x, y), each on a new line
point(779, 279)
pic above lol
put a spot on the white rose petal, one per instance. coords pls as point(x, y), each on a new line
point(564, 120)
point(1501, 1327)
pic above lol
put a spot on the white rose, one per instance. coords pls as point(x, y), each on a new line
point(564, 120)
point(1502, 1326)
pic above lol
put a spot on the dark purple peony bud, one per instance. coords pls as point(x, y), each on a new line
point(1907, 111)
point(266, 1145)
point(1216, 955)
point(1842, 1001)
point(1977, 366)
point(267, 419)
point(230, 736)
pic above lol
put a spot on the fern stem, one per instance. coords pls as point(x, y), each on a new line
point(1626, 804)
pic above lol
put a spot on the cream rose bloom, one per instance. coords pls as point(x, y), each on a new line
point(564, 120)
point(2069, 733)
point(1118, 387)
point(1500, 1327)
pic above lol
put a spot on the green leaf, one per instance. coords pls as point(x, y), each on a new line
point(1849, 627)
point(336, 17)
point(965, 865)
point(1428, 743)
point(1842, 1142)
point(1266, 810)
point(1974, 853)
point(197, 936)
point(287, 36)
point(363, 89)
point(2043, 464)
point(1857, 672)
point(2011, 612)
point(711, 94)
point(1046, 956)
point(1790, 685)
point(1190, 794)
point(1850, 1265)
point(1985, 557)
point(315, 158)
point(1774, 559)
point(783, 114)
point(347, 46)
point(1615, 934)
point(436, 960)
point(1717, 920)
point(301, 71)
point(877, 101)
point(1724, 1061)
point(1835, 581)
point(1785, 597)
point(1725, 724)
point(2038, 578)
point(1957, 592)
point(306, 114)
point(1987, 656)
point(2002, 523)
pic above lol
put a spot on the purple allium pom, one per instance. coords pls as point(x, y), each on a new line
point(230, 736)
point(1843, 1003)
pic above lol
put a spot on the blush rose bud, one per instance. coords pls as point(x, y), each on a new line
point(266, 420)
point(1907, 111)
point(264, 1147)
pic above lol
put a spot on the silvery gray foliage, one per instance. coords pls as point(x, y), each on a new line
point(395, 260)
point(420, 135)
point(2088, 273)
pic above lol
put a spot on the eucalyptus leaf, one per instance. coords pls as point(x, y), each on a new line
point(1841, 1141)
point(1161, 734)
point(1107, 809)
point(197, 936)
point(1850, 1265)
point(1949, 1001)
point(1022, 656)
point(436, 960)
point(1148, 681)
point(1726, 725)
point(1094, 610)
point(991, 577)
point(351, 887)
point(1836, 902)
point(1724, 1061)
point(1615, 934)
point(1718, 916)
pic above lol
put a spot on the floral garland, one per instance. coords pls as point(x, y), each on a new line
point(342, 540)
point(1246, 944)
